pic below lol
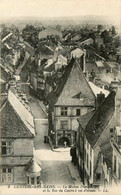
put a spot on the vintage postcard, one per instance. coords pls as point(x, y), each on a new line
point(60, 64)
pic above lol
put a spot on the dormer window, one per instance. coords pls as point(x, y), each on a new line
point(64, 111)
point(80, 96)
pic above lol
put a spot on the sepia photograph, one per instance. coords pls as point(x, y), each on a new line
point(60, 97)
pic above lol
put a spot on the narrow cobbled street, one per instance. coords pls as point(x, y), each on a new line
point(55, 164)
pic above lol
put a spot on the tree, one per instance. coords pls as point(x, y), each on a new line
point(113, 30)
point(103, 51)
point(15, 30)
point(106, 37)
point(99, 27)
point(30, 34)
point(4, 31)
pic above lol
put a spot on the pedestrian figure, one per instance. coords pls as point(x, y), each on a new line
point(65, 144)
point(44, 139)
point(73, 154)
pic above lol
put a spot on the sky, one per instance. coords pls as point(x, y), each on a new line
point(57, 8)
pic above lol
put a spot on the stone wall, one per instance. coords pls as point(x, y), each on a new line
point(21, 153)
point(19, 175)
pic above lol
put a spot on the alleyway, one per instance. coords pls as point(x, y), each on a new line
point(55, 165)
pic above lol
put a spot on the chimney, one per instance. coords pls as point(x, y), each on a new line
point(100, 99)
point(82, 62)
point(114, 84)
point(98, 82)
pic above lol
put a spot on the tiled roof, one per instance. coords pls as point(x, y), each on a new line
point(72, 83)
point(12, 125)
point(3, 99)
point(45, 50)
point(77, 48)
point(22, 109)
point(91, 66)
point(100, 119)
point(53, 96)
point(75, 84)
point(50, 68)
point(3, 87)
point(4, 74)
point(84, 119)
point(47, 32)
point(97, 90)
point(33, 167)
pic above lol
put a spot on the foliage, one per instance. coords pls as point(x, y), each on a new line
point(30, 34)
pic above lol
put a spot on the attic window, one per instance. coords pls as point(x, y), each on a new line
point(79, 96)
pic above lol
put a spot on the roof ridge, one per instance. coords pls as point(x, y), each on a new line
point(68, 68)
point(92, 111)
point(95, 118)
point(53, 96)
point(85, 78)
point(3, 105)
point(75, 74)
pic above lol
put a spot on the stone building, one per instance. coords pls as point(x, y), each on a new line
point(17, 165)
point(93, 142)
point(98, 143)
point(48, 32)
point(72, 98)
point(116, 141)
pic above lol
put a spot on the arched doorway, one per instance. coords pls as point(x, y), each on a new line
point(62, 140)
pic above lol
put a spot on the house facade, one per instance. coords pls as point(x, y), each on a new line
point(116, 142)
point(98, 143)
point(37, 81)
point(88, 41)
point(94, 151)
point(17, 165)
point(72, 98)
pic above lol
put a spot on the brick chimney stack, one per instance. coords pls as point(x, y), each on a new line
point(114, 84)
point(100, 99)
point(83, 62)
